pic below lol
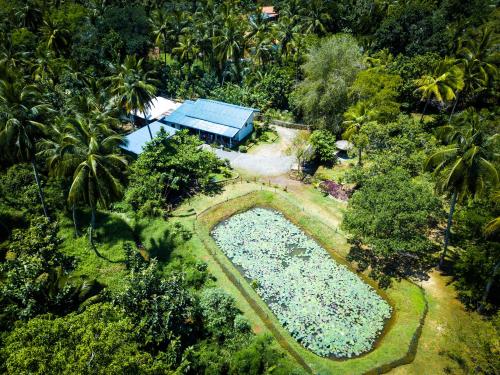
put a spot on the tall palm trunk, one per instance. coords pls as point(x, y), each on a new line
point(92, 225)
point(297, 64)
point(454, 106)
point(40, 190)
point(488, 288)
point(149, 130)
point(91, 231)
point(132, 118)
point(425, 109)
point(448, 228)
point(165, 49)
point(73, 209)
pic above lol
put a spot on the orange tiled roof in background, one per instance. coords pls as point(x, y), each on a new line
point(269, 11)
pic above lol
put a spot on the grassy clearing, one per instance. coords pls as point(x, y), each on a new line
point(112, 232)
point(158, 236)
point(448, 328)
point(406, 298)
point(418, 116)
point(335, 173)
point(252, 144)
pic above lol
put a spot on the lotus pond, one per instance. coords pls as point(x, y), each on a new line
point(324, 305)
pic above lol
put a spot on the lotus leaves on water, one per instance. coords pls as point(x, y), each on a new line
point(325, 306)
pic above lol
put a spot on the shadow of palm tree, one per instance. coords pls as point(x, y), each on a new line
point(162, 245)
point(110, 230)
point(96, 251)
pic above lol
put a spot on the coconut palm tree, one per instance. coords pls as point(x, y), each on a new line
point(56, 37)
point(96, 100)
point(356, 118)
point(260, 38)
point(315, 17)
point(187, 49)
point(10, 55)
point(30, 15)
point(175, 25)
point(443, 85)
point(97, 177)
point(230, 43)
point(21, 106)
point(477, 61)
point(261, 49)
point(134, 88)
point(464, 167)
point(61, 155)
point(286, 29)
point(160, 25)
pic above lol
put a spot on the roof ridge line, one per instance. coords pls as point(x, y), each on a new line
point(227, 104)
point(213, 122)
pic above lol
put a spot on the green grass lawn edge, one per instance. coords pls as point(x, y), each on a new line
point(399, 343)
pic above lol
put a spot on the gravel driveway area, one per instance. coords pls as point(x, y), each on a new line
point(265, 159)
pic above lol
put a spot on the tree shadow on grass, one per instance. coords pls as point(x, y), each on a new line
point(111, 230)
point(383, 269)
point(98, 253)
point(164, 242)
point(214, 189)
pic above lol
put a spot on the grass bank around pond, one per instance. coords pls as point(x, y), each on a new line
point(395, 347)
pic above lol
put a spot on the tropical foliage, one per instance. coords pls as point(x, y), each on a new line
point(412, 84)
point(323, 142)
point(330, 70)
point(170, 168)
point(388, 219)
point(36, 277)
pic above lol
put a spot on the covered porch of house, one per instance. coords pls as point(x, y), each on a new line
point(211, 138)
point(209, 132)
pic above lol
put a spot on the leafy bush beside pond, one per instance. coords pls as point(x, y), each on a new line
point(326, 307)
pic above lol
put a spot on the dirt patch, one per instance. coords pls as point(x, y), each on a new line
point(276, 149)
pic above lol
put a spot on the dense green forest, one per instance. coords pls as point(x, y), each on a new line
point(412, 84)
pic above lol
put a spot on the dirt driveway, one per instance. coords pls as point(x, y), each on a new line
point(265, 159)
point(279, 148)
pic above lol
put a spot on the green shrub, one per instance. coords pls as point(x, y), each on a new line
point(218, 311)
point(167, 171)
point(35, 277)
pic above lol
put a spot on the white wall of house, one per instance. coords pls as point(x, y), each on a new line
point(245, 130)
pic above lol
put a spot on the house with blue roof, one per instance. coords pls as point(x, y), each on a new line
point(213, 121)
point(134, 142)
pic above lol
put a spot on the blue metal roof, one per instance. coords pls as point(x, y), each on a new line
point(135, 142)
point(211, 116)
point(194, 123)
point(231, 115)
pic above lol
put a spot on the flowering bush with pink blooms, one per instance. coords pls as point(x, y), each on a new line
point(336, 190)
